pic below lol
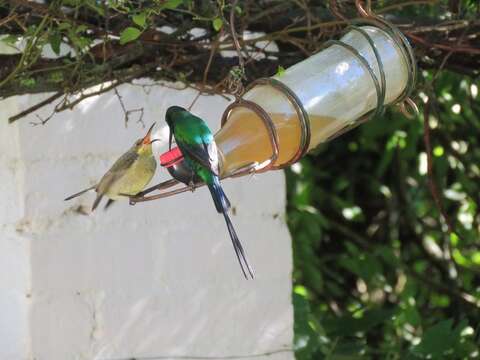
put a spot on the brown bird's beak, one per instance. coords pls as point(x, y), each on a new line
point(147, 138)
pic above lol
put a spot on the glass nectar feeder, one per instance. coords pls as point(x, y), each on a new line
point(279, 119)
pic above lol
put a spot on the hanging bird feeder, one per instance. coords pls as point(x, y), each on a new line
point(279, 119)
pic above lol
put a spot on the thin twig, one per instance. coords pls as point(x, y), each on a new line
point(35, 107)
point(42, 121)
point(452, 48)
point(128, 112)
point(333, 5)
point(428, 148)
point(8, 19)
point(69, 105)
point(404, 4)
point(233, 33)
point(213, 51)
point(430, 175)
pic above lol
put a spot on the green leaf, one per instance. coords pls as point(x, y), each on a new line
point(280, 71)
point(28, 82)
point(348, 325)
point(140, 19)
point(217, 24)
point(80, 28)
point(412, 316)
point(10, 39)
point(305, 335)
point(55, 40)
point(56, 77)
point(364, 265)
point(346, 349)
point(96, 6)
point(439, 339)
point(129, 34)
point(172, 4)
point(64, 26)
point(81, 42)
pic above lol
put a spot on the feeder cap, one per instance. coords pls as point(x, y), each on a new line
point(171, 157)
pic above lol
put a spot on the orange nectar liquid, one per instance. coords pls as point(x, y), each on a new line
point(244, 139)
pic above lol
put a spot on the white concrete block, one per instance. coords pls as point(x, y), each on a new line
point(14, 296)
point(154, 279)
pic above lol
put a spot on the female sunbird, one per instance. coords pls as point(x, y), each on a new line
point(198, 147)
point(129, 174)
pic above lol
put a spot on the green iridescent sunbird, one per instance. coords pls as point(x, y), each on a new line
point(128, 175)
point(199, 150)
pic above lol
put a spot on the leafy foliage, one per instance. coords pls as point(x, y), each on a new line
point(386, 223)
point(117, 41)
point(377, 273)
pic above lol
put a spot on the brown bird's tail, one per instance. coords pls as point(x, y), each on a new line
point(80, 193)
point(97, 201)
point(108, 204)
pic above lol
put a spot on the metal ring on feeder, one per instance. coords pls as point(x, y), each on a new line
point(407, 53)
point(366, 13)
point(302, 115)
point(383, 82)
point(378, 88)
point(404, 45)
point(412, 105)
point(270, 127)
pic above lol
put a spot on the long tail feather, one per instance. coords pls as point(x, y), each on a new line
point(97, 201)
point(80, 193)
point(219, 198)
point(222, 205)
point(108, 204)
point(237, 245)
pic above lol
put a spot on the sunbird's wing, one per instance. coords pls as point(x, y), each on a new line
point(205, 154)
point(118, 169)
point(196, 140)
point(116, 172)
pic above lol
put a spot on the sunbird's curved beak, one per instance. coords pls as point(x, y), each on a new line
point(170, 138)
point(147, 138)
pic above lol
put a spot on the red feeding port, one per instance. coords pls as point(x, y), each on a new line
point(171, 157)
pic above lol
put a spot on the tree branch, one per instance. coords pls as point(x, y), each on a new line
point(35, 107)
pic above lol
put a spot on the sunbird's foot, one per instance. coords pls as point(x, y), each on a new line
point(191, 184)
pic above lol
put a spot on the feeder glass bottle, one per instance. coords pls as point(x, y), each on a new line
point(335, 90)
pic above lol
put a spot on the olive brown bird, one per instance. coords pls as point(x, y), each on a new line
point(128, 175)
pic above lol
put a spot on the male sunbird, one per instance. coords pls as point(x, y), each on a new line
point(198, 147)
point(128, 175)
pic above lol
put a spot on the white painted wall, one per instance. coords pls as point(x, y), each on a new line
point(14, 247)
point(155, 279)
